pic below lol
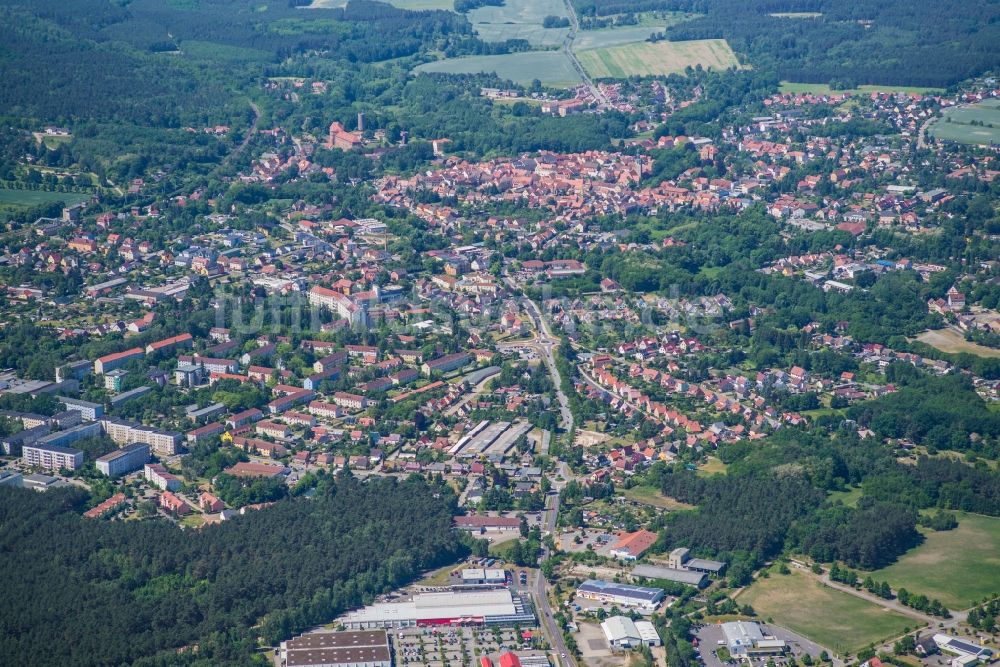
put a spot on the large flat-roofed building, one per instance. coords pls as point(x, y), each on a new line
point(688, 577)
point(478, 576)
point(369, 648)
point(52, 457)
point(124, 460)
point(745, 639)
point(680, 559)
point(967, 652)
point(621, 594)
point(623, 632)
point(497, 607)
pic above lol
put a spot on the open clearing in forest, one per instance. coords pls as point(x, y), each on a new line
point(656, 59)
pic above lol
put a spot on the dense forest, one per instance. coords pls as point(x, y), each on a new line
point(922, 43)
point(774, 498)
point(85, 592)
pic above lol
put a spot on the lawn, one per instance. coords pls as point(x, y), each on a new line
point(952, 342)
point(830, 618)
point(647, 495)
point(714, 466)
point(552, 68)
point(824, 89)
point(957, 124)
point(956, 566)
point(36, 197)
point(519, 19)
point(657, 59)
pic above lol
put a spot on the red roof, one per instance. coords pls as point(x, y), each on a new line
point(121, 355)
point(509, 660)
point(247, 469)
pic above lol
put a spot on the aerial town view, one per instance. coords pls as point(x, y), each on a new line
point(499, 333)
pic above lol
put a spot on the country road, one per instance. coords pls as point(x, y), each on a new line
point(568, 48)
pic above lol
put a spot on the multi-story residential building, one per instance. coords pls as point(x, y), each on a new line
point(52, 457)
point(352, 401)
point(89, 411)
point(124, 460)
point(448, 362)
point(125, 433)
point(70, 435)
point(211, 364)
point(109, 362)
point(339, 303)
point(158, 476)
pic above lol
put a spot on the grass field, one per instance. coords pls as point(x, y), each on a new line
point(417, 5)
point(648, 495)
point(520, 19)
point(830, 618)
point(956, 566)
point(850, 497)
point(552, 68)
point(824, 89)
point(713, 467)
point(956, 124)
point(36, 197)
point(952, 342)
point(661, 58)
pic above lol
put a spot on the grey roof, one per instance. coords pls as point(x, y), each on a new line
point(669, 574)
point(600, 587)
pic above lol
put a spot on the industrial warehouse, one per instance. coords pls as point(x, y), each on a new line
point(338, 649)
point(495, 607)
point(621, 594)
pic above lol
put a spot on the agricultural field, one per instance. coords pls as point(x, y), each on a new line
point(520, 19)
point(952, 342)
point(419, 5)
point(955, 566)
point(824, 89)
point(830, 618)
point(657, 59)
point(601, 39)
point(36, 197)
point(552, 68)
point(971, 124)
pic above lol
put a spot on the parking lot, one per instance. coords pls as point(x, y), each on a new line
point(436, 647)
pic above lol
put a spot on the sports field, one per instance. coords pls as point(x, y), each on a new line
point(830, 618)
point(36, 197)
point(552, 68)
point(955, 566)
point(952, 342)
point(972, 124)
point(519, 19)
point(656, 59)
